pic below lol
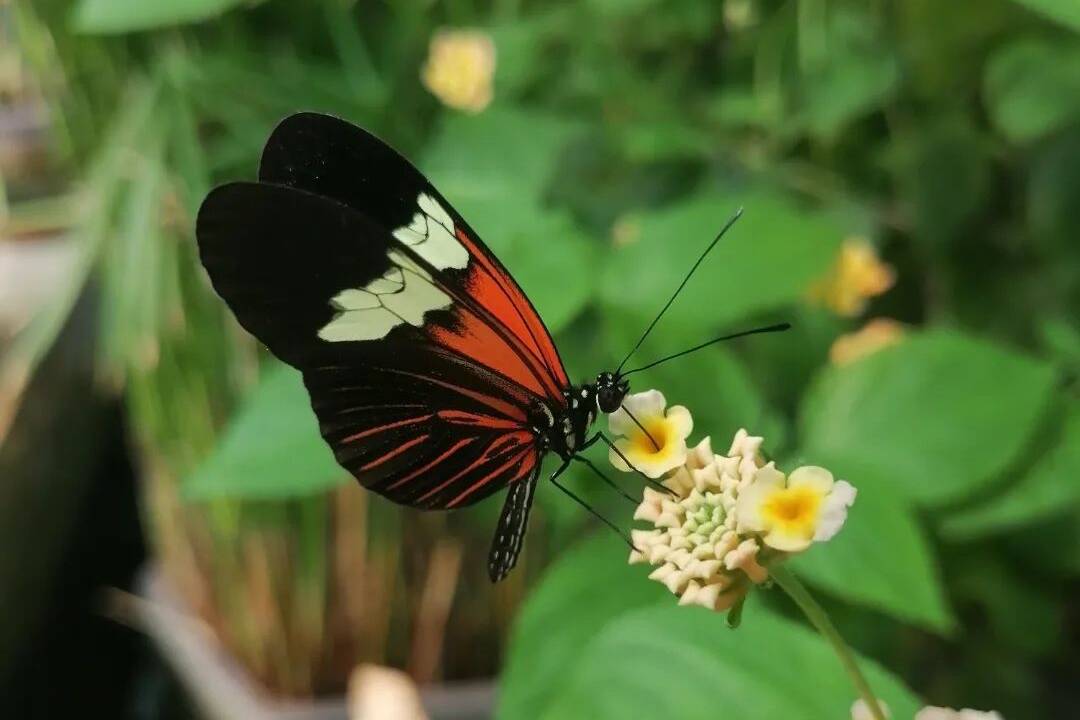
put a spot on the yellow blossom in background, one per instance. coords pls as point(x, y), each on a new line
point(626, 230)
point(858, 275)
point(460, 69)
point(658, 444)
point(792, 512)
point(875, 335)
point(739, 14)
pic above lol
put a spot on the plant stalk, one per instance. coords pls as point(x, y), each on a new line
point(820, 620)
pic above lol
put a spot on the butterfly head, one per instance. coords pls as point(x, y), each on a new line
point(611, 388)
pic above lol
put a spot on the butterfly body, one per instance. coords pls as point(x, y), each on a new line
point(566, 431)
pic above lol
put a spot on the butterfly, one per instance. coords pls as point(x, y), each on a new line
point(434, 380)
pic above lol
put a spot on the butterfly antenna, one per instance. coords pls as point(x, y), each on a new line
point(779, 327)
point(727, 226)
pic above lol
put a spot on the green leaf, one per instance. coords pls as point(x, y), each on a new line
point(500, 156)
point(1052, 196)
point(1050, 488)
point(936, 417)
point(585, 590)
point(122, 16)
point(946, 173)
point(1032, 87)
point(768, 259)
point(856, 76)
point(1065, 12)
point(880, 559)
point(271, 449)
point(685, 663)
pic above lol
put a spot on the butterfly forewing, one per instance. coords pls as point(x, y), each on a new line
point(330, 157)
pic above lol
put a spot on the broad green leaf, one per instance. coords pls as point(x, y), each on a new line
point(1032, 87)
point(685, 663)
point(945, 171)
point(1050, 487)
point(999, 589)
point(1053, 194)
point(500, 156)
point(936, 417)
point(271, 449)
point(1064, 12)
point(768, 259)
point(585, 590)
point(121, 16)
point(857, 75)
point(880, 559)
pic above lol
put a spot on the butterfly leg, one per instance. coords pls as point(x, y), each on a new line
point(607, 441)
point(555, 480)
point(605, 478)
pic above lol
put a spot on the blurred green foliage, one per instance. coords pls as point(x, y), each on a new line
point(621, 136)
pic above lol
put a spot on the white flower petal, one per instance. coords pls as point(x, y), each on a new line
point(615, 459)
point(657, 553)
point(783, 541)
point(769, 476)
point(680, 421)
point(811, 476)
point(940, 713)
point(644, 405)
point(834, 510)
point(701, 455)
point(749, 506)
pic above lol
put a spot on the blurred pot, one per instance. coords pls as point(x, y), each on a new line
point(223, 690)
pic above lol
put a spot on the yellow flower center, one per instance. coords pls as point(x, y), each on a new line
point(654, 442)
point(795, 510)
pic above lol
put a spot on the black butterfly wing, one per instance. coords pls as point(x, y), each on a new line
point(417, 394)
point(330, 157)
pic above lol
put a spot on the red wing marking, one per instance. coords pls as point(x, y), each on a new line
point(473, 337)
point(527, 464)
point(460, 417)
point(384, 428)
point(425, 468)
point(494, 450)
point(395, 452)
point(497, 291)
point(501, 406)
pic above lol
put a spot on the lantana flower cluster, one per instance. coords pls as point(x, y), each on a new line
point(725, 517)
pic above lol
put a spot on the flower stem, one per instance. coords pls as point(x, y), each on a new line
point(820, 620)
